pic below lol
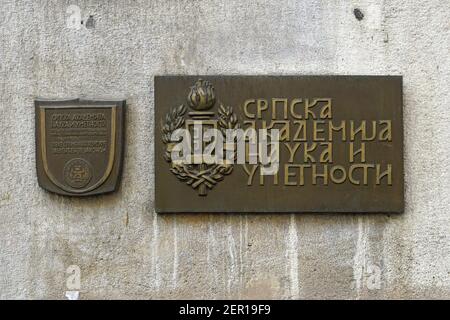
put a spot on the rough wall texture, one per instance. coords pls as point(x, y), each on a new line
point(125, 250)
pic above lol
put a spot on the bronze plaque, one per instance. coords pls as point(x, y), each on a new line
point(337, 144)
point(79, 146)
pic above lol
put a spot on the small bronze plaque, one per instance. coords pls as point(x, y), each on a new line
point(79, 146)
point(278, 144)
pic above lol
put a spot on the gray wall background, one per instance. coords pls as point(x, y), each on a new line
point(125, 250)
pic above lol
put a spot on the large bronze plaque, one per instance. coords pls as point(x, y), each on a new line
point(340, 146)
point(79, 146)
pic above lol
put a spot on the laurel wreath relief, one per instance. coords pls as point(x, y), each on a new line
point(203, 175)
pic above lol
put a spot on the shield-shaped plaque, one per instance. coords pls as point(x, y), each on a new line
point(79, 145)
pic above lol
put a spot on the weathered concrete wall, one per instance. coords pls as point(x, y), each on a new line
point(125, 250)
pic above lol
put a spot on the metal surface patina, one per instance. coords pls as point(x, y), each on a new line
point(79, 146)
point(340, 144)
